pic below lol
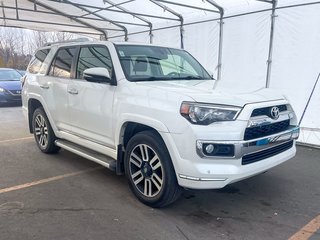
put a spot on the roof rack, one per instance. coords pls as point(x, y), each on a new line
point(67, 41)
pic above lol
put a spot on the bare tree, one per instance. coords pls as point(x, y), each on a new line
point(17, 45)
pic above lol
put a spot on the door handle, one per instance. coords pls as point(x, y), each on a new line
point(44, 86)
point(73, 91)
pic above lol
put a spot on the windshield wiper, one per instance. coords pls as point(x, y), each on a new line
point(190, 77)
point(150, 79)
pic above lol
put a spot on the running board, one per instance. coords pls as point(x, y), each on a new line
point(88, 154)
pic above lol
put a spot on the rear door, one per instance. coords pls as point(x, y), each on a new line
point(90, 104)
point(54, 87)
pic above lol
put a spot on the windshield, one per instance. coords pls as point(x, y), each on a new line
point(9, 75)
point(150, 63)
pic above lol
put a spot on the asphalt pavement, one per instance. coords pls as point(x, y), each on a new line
point(64, 196)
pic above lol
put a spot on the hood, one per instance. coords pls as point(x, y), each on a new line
point(202, 91)
point(11, 85)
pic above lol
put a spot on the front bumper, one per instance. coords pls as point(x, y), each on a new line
point(197, 172)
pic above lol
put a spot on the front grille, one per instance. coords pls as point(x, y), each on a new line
point(267, 111)
point(258, 156)
point(262, 131)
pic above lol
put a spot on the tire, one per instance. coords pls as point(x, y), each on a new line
point(149, 170)
point(43, 132)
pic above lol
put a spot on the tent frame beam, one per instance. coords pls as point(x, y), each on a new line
point(132, 14)
point(101, 17)
point(118, 4)
point(187, 6)
point(72, 18)
point(118, 11)
point(166, 8)
point(50, 23)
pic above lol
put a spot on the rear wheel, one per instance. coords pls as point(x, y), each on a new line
point(150, 171)
point(43, 132)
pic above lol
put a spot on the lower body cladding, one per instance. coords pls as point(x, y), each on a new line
point(247, 158)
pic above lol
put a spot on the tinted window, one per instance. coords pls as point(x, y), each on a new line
point(61, 65)
point(95, 56)
point(37, 61)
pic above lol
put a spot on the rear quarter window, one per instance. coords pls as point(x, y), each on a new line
point(36, 63)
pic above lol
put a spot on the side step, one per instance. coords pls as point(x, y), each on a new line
point(88, 154)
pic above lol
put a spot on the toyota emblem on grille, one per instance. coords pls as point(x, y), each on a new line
point(274, 113)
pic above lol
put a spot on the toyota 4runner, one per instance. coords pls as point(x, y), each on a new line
point(153, 114)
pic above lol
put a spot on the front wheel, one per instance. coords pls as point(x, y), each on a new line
point(149, 170)
point(43, 132)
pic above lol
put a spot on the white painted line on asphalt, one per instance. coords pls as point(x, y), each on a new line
point(15, 139)
point(46, 180)
point(308, 230)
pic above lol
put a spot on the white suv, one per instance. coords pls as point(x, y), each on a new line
point(152, 113)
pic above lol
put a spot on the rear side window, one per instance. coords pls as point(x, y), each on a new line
point(94, 56)
point(61, 65)
point(37, 61)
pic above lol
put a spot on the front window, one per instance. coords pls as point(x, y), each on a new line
point(151, 63)
point(9, 75)
point(93, 56)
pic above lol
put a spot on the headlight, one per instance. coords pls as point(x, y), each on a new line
point(2, 89)
point(205, 114)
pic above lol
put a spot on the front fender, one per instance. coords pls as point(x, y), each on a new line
point(136, 118)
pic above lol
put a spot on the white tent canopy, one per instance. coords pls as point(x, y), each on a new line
point(249, 44)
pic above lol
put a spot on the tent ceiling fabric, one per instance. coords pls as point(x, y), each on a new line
point(114, 17)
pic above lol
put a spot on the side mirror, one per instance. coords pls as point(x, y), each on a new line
point(97, 74)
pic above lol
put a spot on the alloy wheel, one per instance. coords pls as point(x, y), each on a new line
point(146, 170)
point(41, 131)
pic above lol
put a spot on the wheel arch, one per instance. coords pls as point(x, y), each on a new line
point(33, 104)
point(131, 124)
point(129, 129)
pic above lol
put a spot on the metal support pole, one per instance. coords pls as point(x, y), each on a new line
point(4, 15)
point(220, 46)
point(309, 99)
point(17, 12)
point(221, 11)
point(269, 61)
point(150, 35)
point(181, 34)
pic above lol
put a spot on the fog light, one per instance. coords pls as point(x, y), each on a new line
point(216, 150)
point(209, 148)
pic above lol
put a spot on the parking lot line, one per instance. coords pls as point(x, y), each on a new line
point(308, 230)
point(46, 180)
point(15, 139)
